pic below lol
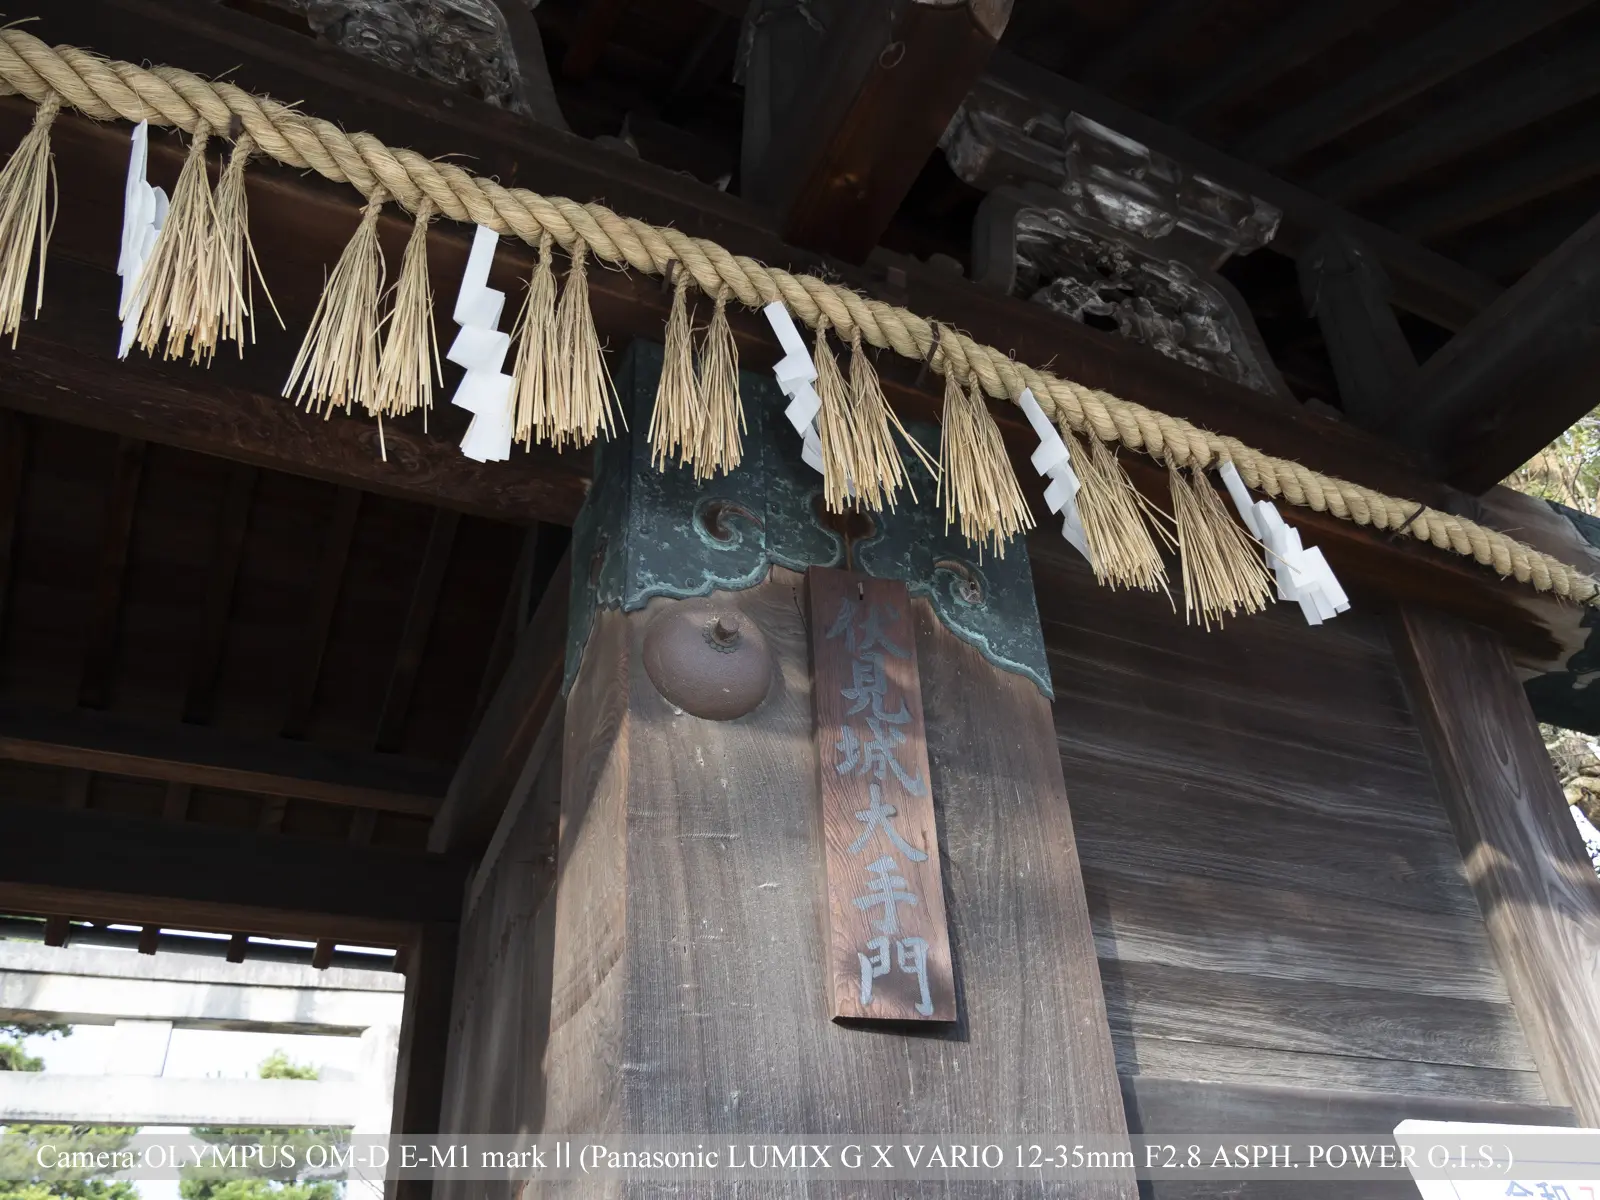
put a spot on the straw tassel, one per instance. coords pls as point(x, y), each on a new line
point(1117, 520)
point(537, 368)
point(583, 384)
point(179, 279)
point(338, 362)
point(879, 463)
point(679, 412)
point(27, 215)
point(1223, 572)
point(719, 446)
point(977, 486)
point(835, 427)
point(233, 261)
point(409, 364)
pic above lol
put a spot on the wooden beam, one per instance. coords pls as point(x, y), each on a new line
point(203, 757)
point(1164, 22)
point(233, 522)
point(1307, 29)
point(306, 224)
point(1448, 48)
point(210, 877)
point(322, 954)
point(238, 947)
point(835, 155)
point(57, 930)
point(501, 744)
point(414, 636)
point(1426, 283)
point(1519, 375)
point(149, 939)
point(1522, 180)
point(105, 616)
point(1348, 292)
point(319, 613)
point(65, 368)
point(1515, 102)
point(1526, 861)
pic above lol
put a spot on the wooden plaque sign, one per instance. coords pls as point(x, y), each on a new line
point(888, 944)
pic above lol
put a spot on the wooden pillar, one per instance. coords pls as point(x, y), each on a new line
point(1538, 891)
point(430, 967)
point(692, 972)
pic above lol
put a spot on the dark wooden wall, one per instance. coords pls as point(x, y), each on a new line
point(1277, 891)
point(494, 1080)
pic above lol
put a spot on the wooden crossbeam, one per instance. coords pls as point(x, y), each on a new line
point(91, 741)
point(836, 155)
point(1410, 68)
point(148, 872)
point(1518, 376)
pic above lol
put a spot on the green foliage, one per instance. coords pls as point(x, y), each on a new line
point(22, 1178)
point(277, 1066)
point(281, 1175)
point(1567, 470)
point(13, 1057)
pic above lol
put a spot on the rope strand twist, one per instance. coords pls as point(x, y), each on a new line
point(104, 89)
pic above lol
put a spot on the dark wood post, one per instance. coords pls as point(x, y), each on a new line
point(1539, 893)
point(692, 964)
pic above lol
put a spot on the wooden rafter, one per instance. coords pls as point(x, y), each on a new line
point(307, 662)
point(1165, 22)
point(1518, 101)
point(1307, 29)
point(1524, 179)
point(122, 496)
point(103, 865)
point(414, 636)
point(1412, 67)
point(233, 522)
point(87, 741)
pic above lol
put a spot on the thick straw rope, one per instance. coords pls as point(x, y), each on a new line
point(105, 89)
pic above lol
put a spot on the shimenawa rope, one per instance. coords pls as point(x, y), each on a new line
point(105, 89)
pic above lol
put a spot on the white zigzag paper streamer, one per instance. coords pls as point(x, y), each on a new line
point(1053, 459)
point(144, 212)
point(796, 373)
point(486, 391)
point(1302, 573)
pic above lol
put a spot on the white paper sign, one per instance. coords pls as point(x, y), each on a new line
point(485, 391)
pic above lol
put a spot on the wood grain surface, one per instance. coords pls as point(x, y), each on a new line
point(690, 942)
point(889, 945)
point(1277, 893)
point(1526, 861)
